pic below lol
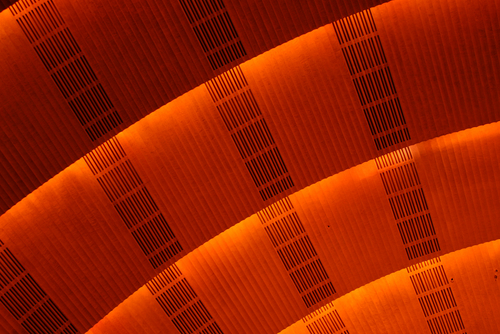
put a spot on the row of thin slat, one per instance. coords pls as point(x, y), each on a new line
point(388, 304)
point(245, 286)
point(143, 55)
point(196, 180)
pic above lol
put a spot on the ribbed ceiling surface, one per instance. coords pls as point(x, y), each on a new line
point(177, 185)
point(245, 285)
point(391, 304)
point(140, 56)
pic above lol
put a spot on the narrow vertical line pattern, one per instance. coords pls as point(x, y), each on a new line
point(26, 301)
point(435, 296)
point(325, 320)
point(119, 180)
point(68, 67)
point(296, 252)
point(215, 31)
point(242, 117)
point(372, 79)
point(180, 302)
point(409, 207)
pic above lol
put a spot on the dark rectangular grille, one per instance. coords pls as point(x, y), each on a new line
point(252, 139)
point(309, 275)
point(266, 167)
point(239, 110)
point(226, 84)
point(422, 248)
point(57, 49)
point(437, 302)
point(47, 318)
point(22, 297)
point(26, 301)
point(180, 302)
point(374, 86)
point(125, 189)
point(447, 323)
point(424, 264)
point(296, 251)
point(164, 279)
point(409, 206)
point(372, 79)
point(384, 116)
point(435, 297)
point(192, 318)
point(176, 297)
point(315, 314)
point(394, 158)
point(400, 178)
point(119, 181)
point(429, 279)
point(279, 208)
point(213, 328)
point(215, 31)
point(153, 235)
point(250, 133)
point(284, 229)
point(330, 323)
point(366, 54)
point(318, 294)
point(355, 26)
point(10, 268)
point(61, 55)
point(416, 228)
point(408, 203)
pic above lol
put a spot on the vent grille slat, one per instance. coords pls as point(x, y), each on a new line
point(26, 301)
point(355, 26)
point(330, 322)
point(296, 251)
point(215, 31)
point(250, 133)
point(446, 323)
point(180, 302)
point(365, 58)
point(62, 57)
point(10, 268)
point(435, 296)
point(284, 229)
point(399, 176)
point(125, 189)
point(416, 228)
point(22, 297)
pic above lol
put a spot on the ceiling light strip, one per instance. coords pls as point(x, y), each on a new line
point(435, 297)
point(296, 252)
point(242, 116)
point(215, 31)
point(364, 55)
point(125, 189)
point(180, 302)
point(70, 70)
point(26, 301)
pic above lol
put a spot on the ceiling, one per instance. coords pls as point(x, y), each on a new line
point(253, 164)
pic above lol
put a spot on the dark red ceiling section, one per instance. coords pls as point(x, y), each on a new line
point(104, 65)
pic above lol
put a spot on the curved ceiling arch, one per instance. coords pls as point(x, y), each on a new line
point(244, 284)
point(455, 115)
point(391, 304)
point(387, 305)
point(347, 219)
point(138, 57)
